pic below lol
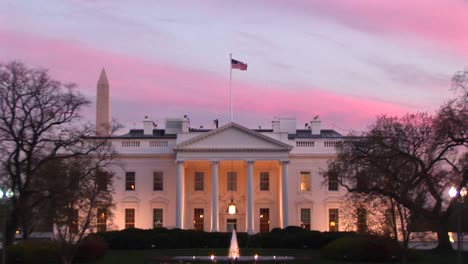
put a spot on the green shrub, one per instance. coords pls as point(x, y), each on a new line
point(33, 252)
point(91, 248)
point(362, 248)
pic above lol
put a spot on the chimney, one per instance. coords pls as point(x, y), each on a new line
point(148, 126)
point(315, 126)
point(185, 124)
point(276, 125)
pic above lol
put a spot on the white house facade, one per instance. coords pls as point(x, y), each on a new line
point(182, 177)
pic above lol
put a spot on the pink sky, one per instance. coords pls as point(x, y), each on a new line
point(346, 61)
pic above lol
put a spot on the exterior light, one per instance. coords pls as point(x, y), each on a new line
point(232, 208)
point(459, 207)
point(332, 223)
point(452, 192)
point(463, 192)
point(9, 193)
point(1, 194)
point(256, 256)
point(212, 257)
point(201, 216)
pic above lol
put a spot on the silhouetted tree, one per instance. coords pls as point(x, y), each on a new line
point(412, 160)
point(39, 121)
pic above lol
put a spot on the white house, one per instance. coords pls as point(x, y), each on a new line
point(183, 177)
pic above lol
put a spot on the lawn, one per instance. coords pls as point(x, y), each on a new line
point(303, 256)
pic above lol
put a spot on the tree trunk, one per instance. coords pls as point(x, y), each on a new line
point(11, 226)
point(443, 241)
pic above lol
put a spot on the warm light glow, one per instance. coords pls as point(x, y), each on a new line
point(17, 231)
point(451, 237)
point(452, 192)
point(332, 223)
point(102, 215)
point(463, 192)
point(256, 256)
point(201, 216)
point(212, 257)
point(132, 187)
point(261, 216)
point(232, 209)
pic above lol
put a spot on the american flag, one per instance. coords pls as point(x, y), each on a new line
point(235, 64)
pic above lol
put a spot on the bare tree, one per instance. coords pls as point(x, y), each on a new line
point(39, 120)
point(80, 192)
point(406, 160)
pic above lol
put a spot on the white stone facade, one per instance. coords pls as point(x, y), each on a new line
point(180, 177)
point(267, 165)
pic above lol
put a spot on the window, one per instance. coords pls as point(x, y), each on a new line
point(130, 181)
point(333, 218)
point(305, 181)
point(157, 217)
point(198, 219)
point(232, 181)
point(264, 181)
point(333, 183)
point(129, 218)
point(101, 222)
point(305, 218)
point(231, 225)
point(102, 180)
point(199, 181)
point(264, 220)
point(158, 181)
point(361, 220)
point(73, 221)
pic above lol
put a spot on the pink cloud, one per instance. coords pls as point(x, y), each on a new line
point(139, 87)
point(443, 22)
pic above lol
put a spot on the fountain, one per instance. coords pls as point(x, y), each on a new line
point(233, 255)
point(234, 247)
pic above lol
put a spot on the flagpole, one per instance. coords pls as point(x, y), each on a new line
point(230, 83)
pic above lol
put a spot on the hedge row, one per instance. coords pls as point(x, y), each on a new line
point(161, 238)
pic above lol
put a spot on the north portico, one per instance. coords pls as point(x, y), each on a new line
point(239, 165)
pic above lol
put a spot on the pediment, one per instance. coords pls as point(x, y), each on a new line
point(232, 137)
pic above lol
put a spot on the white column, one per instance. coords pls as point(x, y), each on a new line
point(214, 198)
point(284, 193)
point(250, 198)
point(180, 194)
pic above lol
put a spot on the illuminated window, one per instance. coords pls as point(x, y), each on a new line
point(199, 181)
point(101, 222)
point(158, 181)
point(129, 218)
point(198, 217)
point(305, 218)
point(333, 220)
point(264, 220)
point(157, 217)
point(264, 181)
point(232, 181)
point(305, 181)
point(130, 181)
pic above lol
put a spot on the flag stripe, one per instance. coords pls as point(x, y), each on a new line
point(235, 64)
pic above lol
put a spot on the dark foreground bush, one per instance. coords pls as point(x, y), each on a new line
point(362, 248)
point(33, 252)
point(91, 248)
